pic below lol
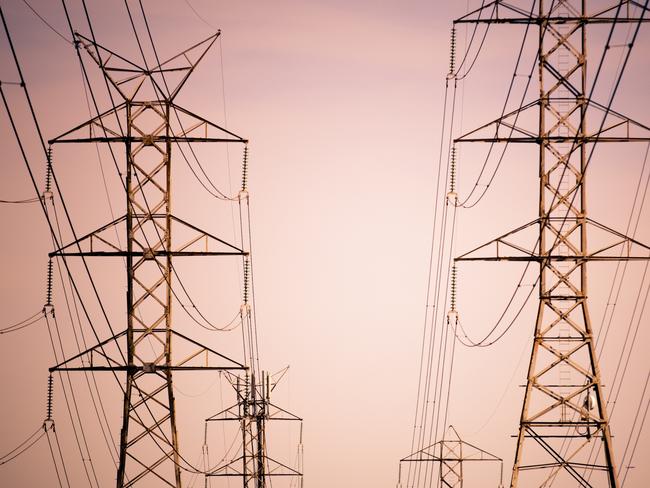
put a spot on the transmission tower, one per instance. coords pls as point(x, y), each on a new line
point(148, 129)
point(252, 411)
point(450, 453)
point(564, 409)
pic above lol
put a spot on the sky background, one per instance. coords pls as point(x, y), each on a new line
point(342, 102)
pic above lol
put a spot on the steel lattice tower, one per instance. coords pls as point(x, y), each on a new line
point(564, 408)
point(253, 411)
point(148, 129)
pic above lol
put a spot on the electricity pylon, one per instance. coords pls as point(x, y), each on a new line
point(252, 411)
point(148, 129)
point(450, 453)
point(564, 408)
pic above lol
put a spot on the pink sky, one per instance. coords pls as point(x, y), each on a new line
point(342, 103)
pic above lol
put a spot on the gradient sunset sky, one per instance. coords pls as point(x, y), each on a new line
point(342, 103)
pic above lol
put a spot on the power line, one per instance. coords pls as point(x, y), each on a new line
point(26, 200)
point(24, 446)
point(42, 19)
point(32, 319)
point(199, 16)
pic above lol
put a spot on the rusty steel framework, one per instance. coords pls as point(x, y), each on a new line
point(450, 453)
point(564, 408)
point(148, 129)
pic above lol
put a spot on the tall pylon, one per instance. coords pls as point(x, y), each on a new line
point(148, 128)
point(564, 433)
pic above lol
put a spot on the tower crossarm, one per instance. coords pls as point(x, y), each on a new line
point(178, 125)
point(509, 128)
point(103, 242)
point(507, 248)
point(500, 12)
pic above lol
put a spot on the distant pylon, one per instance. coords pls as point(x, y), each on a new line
point(450, 453)
point(253, 411)
point(149, 448)
point(564, 408)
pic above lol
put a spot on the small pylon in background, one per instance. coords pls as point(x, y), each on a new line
point(253, 410)
point(449, 454)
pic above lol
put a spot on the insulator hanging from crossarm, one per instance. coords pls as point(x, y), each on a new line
point(246, 278)
point(452, 53)
point(50, 396)
point(48, 308)
point(245, 306)
point(244, 170)
point(48, 296)
point(245, 396)
point(452, 315)
point(452, 196)
point(47, 194)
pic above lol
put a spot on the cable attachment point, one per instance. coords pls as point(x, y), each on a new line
point(47, 194)
point(452, 315)
point(452, 54)
point(452, 196)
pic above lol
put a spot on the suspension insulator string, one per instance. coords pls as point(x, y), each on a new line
point(48, 308)
point(452, 54)
point(48, 423)
point(452, 315)
point(246, 278)
point(452, 196)
point(245, 307)
point(47, 194)
point(243, 193)
point(50, 396)
point(246, 393)
point(49, 283)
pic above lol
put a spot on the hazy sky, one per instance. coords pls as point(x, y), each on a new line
point(342, 102)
